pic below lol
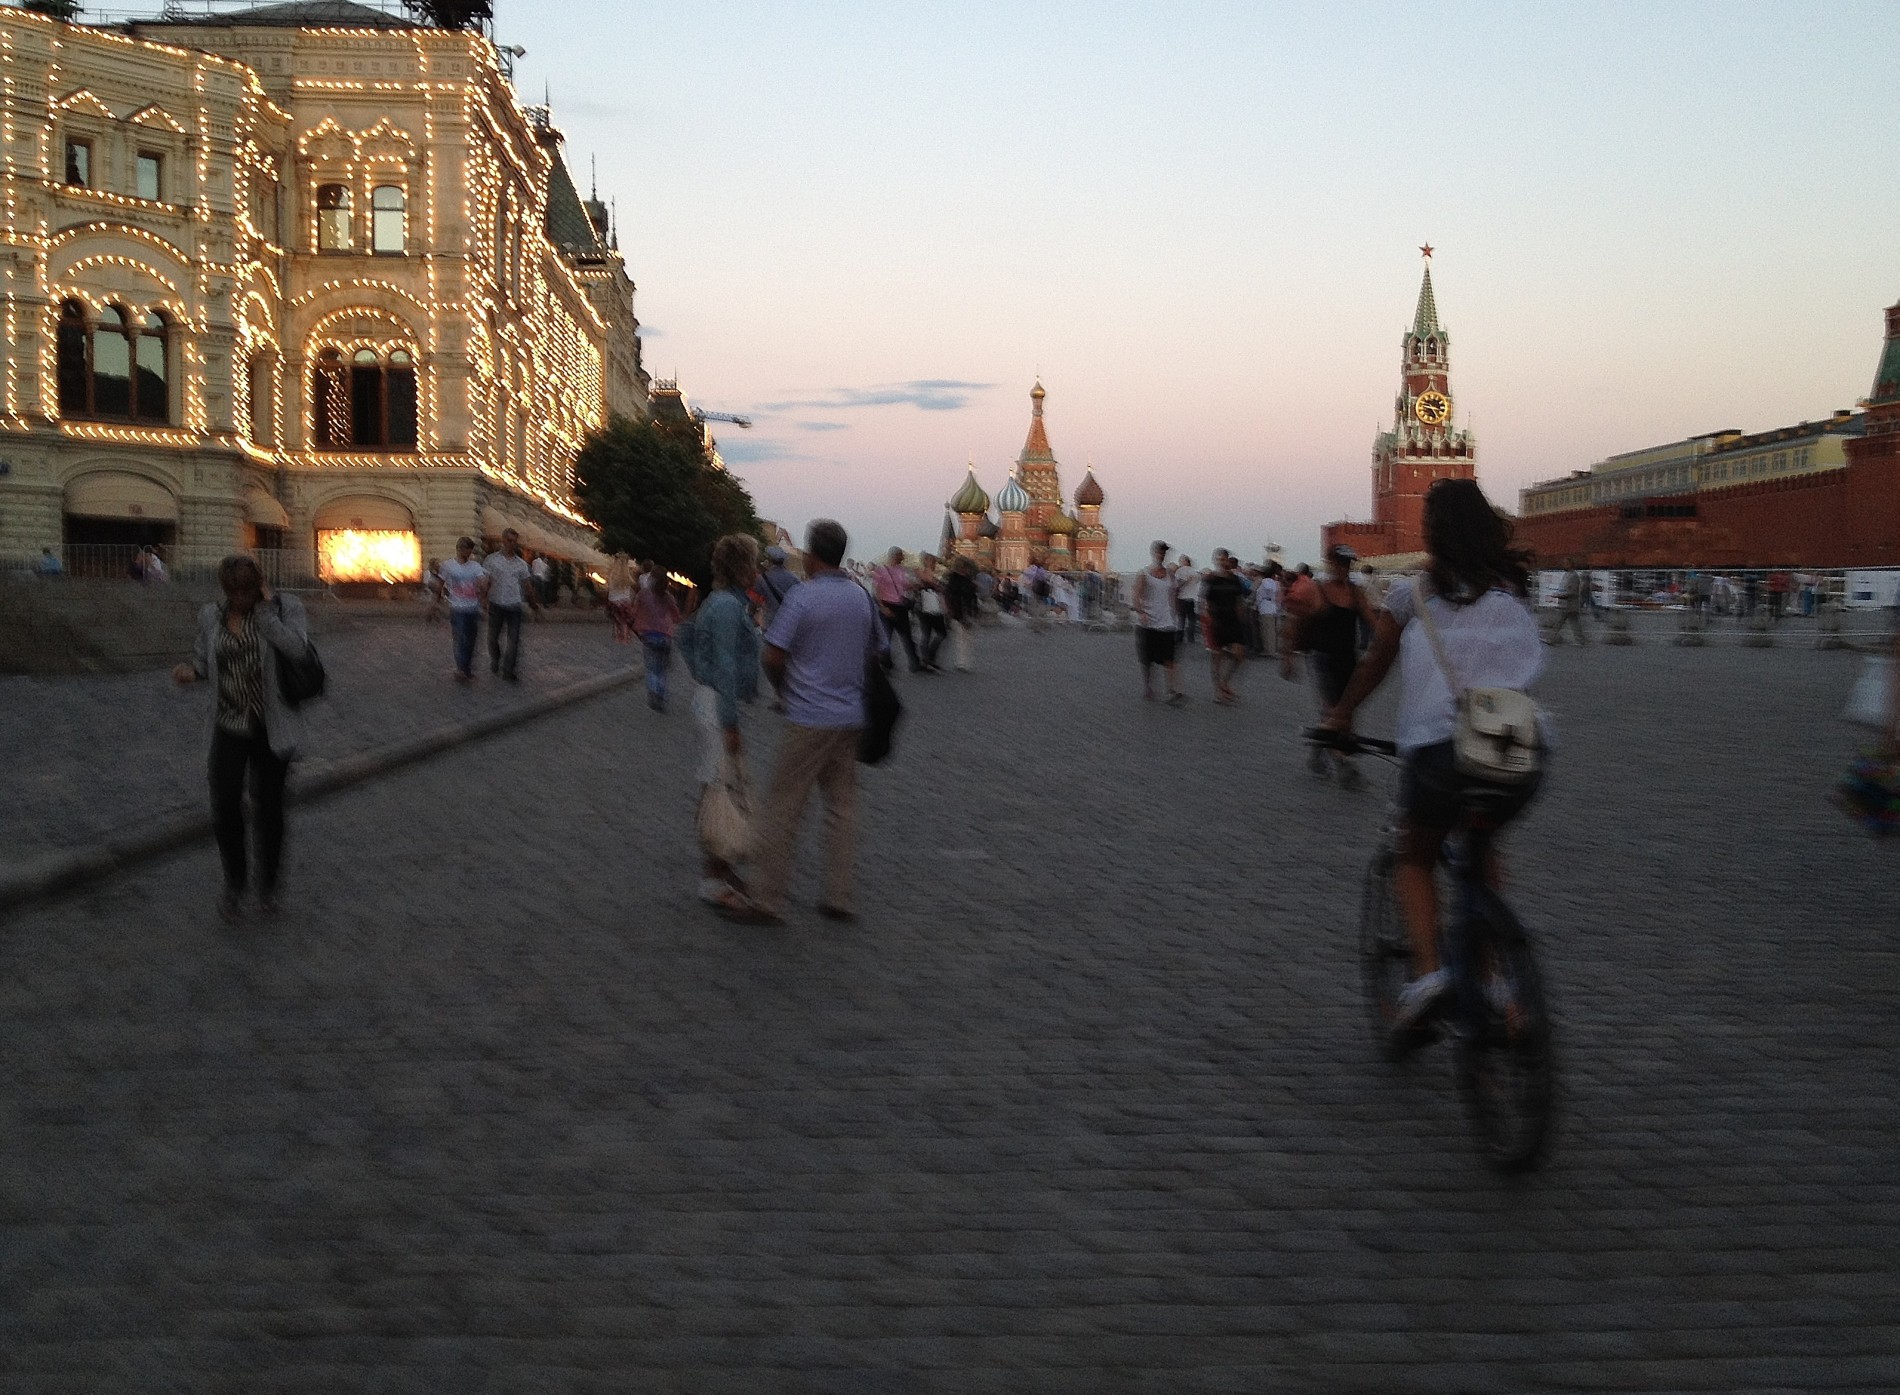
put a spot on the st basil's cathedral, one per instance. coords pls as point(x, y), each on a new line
point(1031, 524)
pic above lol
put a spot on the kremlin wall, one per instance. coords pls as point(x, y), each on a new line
point(1818, 494)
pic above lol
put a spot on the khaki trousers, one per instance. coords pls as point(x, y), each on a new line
point(828, 758)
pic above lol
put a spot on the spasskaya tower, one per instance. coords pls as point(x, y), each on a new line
point(1422, 446)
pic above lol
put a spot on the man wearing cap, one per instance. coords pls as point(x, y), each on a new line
point(1156, 632)
point(775, 582)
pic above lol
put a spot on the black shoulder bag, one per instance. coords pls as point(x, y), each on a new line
point(298, 679)
point(881, 707)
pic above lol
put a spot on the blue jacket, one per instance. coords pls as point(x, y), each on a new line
point(726, 652)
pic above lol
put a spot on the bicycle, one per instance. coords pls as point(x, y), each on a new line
point(1504, 1062)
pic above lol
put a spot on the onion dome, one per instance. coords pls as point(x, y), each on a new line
point(1061, 523)
point(970, 498)
point(988, 528)
point(1014, 498)
point(1036, 393)
point(1089, 493)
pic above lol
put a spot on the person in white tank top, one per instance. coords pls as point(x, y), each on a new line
point(1155, 632)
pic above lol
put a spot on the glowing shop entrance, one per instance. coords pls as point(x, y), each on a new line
point(368, 554)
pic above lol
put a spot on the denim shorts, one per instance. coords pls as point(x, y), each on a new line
point(1435, 795)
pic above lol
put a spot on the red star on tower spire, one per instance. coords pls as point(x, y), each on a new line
point(1427, 250)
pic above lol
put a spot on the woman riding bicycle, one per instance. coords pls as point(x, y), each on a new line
point(1475, 586)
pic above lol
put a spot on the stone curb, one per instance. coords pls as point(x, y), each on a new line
point(53, 874)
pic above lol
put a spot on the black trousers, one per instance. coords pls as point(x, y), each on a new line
point(935, 630)
point(899, 622)
point(230, 757)
point(504, 639)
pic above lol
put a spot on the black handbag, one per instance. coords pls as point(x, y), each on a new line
point(881, 711)
point(298, 679)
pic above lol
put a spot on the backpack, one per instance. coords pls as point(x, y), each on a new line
point(1496, 739)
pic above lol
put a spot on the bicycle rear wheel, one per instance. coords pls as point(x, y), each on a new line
point(1385, 956)
point(1506, 1065)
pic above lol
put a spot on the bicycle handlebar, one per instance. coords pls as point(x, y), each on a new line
point(1350, 742)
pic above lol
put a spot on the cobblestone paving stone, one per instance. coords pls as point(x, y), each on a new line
point(90, 756)
point(1083, 1103)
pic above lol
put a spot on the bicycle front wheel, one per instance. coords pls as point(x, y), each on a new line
point(1385, 956)
point(1507, 1068)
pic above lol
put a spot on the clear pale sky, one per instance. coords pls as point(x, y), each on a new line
point(870, 227)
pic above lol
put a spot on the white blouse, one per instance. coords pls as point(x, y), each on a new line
point(1493, 642)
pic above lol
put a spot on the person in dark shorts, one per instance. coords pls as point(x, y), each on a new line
point(1155, 632)
point(1332, 638)
point(1224, 599)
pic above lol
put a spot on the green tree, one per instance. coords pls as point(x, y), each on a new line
point(654, 494)
point(58, 9)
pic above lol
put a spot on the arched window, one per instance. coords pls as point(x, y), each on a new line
point(368, 403)
point(116, 366)
point(333, 218)
point(388, 218)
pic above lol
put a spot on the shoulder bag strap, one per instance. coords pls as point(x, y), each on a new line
point(1424, 595)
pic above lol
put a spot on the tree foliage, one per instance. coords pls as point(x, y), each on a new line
point(452, 14)
point(58, 9)
point(651, 489)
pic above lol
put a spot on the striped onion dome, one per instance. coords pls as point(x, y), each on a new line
point(1014, 498)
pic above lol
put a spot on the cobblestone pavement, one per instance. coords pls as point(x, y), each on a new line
point(88, 756)
point(1084, 1102)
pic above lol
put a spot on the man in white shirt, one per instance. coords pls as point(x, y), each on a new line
point(506, 585)
point(1266, 604)
point(1155, 625)
point(541, 572)
point(1187, 590)
point(460, 583)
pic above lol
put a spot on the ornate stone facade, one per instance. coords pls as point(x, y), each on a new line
point(267, 281)
point(1032, 523)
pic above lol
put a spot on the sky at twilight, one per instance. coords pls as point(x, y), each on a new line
point(871, 226)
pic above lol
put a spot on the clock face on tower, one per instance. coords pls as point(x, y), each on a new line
point(1432, 407)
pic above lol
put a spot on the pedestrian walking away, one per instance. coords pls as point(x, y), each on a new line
point(776, 581)
point(724, 663)
point(1266, 599)
point(931, 611)
point(964, 601)
point(620, 584)
point(894, 587)
point(460, 584)
point(656, 614)
point(506, 587)
point(1571, 599)
point(816, 654)
point(1187, 591)
point(1157, 632)
point(252, 728)
point(1332, 637)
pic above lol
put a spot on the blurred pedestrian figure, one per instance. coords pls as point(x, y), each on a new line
point(49, 565)
point(893, 586)
point(1570, 601)
point(461, 583)
point(776, 581)
point(816, 654)
point(1332, 637)
point(1224, 600)
point(932, 617)
point(1266, 600)
point(543, 575)
point(432, 591)
point(1297, 606)
point(962, 600)
point(656, 614)
point(1187, 593)
point(152, 571)
point(239, 639)
point(507, 585)
point(1157, 625)
point(620, 583)
point(725, 664)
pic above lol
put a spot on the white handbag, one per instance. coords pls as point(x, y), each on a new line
point(1497, 737)
point(1870, 703)
point(725, 814)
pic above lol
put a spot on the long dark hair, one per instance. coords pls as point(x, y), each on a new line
point(1470, 544)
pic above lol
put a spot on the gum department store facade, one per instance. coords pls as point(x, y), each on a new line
point(306, 277)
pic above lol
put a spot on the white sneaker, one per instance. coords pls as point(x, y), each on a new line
point(1419, 997)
